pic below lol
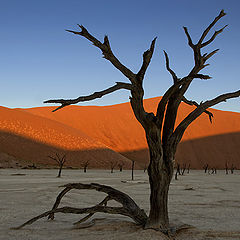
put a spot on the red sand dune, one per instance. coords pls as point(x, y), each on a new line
point(30, 138)
point(116, 127)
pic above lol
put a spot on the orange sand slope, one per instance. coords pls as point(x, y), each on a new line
point(30, 138)
point(116, 127)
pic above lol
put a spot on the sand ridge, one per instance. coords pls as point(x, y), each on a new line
point(111, 134)
point(117, 127)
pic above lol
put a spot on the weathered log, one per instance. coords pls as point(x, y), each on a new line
point(129, 207)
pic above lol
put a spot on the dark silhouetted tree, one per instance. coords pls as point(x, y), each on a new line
point(60, 160)
point(205, 167)
point(226, 168)
point(85, 165)
point(162, 133)
point(232, 169)
point(120, 165)
point(112, 165)
point(133, 163)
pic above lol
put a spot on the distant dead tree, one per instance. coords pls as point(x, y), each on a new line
point(232, 169)
point(60, 160)
point(112, 165)
point(132, 168)
point(120, 165)
point(226, 168)
point(213, 170)
point(205, 167)
point(178, 171)
point(162, 132)
point(188, 168)
point(85, 165)
point(183, 169)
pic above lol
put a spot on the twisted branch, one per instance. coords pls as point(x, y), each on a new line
point(129, 207)
point(67, 102)
point(106, 51)
point(193, 103)
point(147, 56)
point(206, 31)
point(174, 76)
point(179, 131)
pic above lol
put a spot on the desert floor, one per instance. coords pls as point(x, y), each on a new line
point(208, 202)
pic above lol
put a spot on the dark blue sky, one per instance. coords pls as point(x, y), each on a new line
point(40, 61)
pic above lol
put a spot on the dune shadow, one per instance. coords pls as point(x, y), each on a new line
point(23, 151)
point(212, 150)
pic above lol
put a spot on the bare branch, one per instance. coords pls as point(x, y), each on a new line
point(163, 102)
point(129, 207)
point(198, 58)
point(147, 56)
point(193, 103)
point(55, 159)
point(90, 210)
point(213, 36)
point(221, 14)
point(67, 102)
point(104, 202)
point(200, 76)
point(173, 99)
point(106, 51)
point(190, 43)
point(174, 76)
point(207, 56)
point(179, 131)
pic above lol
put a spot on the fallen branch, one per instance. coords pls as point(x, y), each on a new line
point(129, 207)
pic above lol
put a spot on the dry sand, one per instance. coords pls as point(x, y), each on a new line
point(210, 203)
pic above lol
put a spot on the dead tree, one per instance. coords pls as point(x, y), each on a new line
point(60, 160)
point(178, 171)
point(226, 168)
point(232, 169)
point(120, 165)
point(133, 163)
point(162, 133)
point(214, 170)
point(188, 169)
point(183, 169)
point(205, 167)
point(112, 165)
point(85, 165)
point(144, 167)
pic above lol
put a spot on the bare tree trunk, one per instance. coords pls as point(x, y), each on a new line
point(160, 173)
point(133, 169)
point(226, 167)
point(205, 168)
point(183, 169)
point(176, 175)
point(159, 185)
point(60, 170)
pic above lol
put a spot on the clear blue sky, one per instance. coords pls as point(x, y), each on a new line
point(40, 61)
